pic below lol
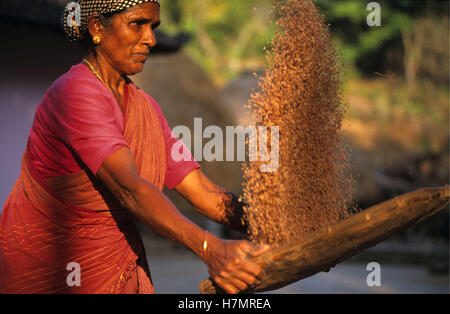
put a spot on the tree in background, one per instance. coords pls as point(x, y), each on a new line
point(230, 36)
point(412, 39)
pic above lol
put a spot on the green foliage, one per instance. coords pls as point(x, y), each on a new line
point(358, 41)
point(348, 20)
point(229, 36)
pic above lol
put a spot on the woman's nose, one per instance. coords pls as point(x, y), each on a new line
point(150, 37)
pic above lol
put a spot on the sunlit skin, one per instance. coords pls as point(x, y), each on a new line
point(123, 50)
point(125, 45)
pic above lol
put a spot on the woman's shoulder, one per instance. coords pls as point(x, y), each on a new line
point(77, 82)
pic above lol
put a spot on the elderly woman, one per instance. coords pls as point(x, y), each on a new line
point(98, 157)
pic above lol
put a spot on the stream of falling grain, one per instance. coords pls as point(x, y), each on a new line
point(300, 93)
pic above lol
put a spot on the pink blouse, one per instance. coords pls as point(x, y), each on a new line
point(79, 124)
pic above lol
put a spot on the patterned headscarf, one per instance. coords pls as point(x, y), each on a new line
point(76, 14)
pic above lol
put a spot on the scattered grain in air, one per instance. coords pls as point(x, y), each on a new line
point(301, 93)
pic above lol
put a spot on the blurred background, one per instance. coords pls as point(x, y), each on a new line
point(396, 87)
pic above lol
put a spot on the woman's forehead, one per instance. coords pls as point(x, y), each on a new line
point(149, 10)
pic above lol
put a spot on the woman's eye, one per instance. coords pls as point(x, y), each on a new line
point(138, 23)
point(144, 22)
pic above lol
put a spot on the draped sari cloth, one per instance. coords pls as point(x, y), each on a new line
point(50, 225)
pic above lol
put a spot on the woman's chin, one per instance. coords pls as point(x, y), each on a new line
point(137, 68)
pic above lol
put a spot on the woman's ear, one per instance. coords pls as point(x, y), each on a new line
point(95, 26)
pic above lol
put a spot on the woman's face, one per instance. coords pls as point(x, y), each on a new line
point(127, 41)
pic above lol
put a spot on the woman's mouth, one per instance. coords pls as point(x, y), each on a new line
point(141, 57)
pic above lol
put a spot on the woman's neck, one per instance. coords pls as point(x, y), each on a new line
point(113, 79)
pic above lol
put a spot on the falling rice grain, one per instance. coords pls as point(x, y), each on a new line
point(300, 93)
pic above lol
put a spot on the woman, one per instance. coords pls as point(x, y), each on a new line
point(97, 157)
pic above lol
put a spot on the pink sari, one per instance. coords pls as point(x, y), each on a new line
point(49, 223)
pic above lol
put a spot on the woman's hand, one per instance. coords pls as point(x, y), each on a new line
point(229, 265)
point(227, 261)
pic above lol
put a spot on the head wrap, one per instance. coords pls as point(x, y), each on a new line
point(76, 14)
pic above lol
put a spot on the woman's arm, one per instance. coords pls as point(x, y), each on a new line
point(227, 261)
point(213, 201)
